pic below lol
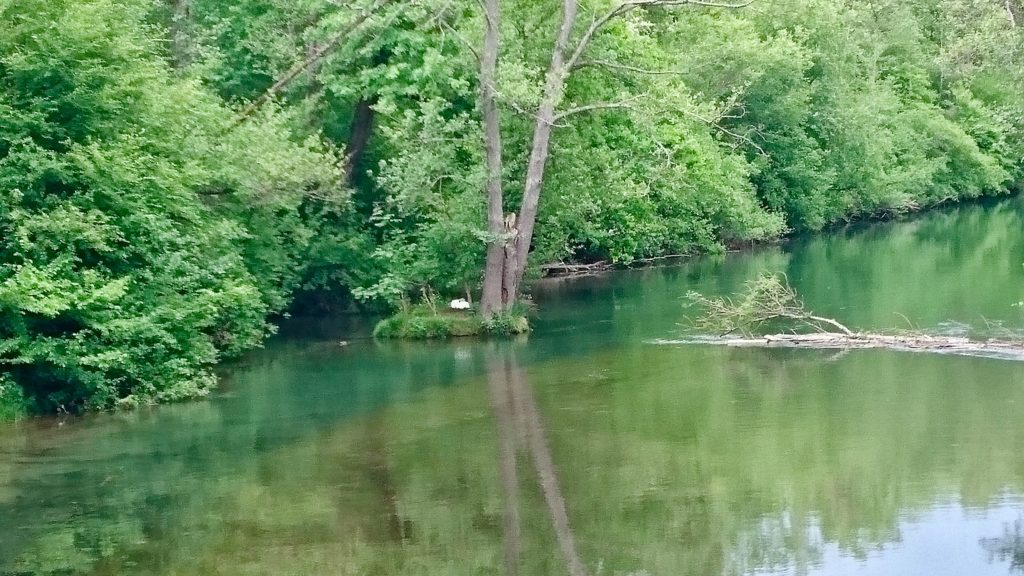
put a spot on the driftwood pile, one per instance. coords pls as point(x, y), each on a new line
point(769, 301)
point(906, 342)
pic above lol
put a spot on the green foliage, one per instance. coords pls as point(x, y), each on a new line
point(422, 323)
point(13, 404)
point(739, 126)
point(507, 323)
point(143, 237)
point(145, 234)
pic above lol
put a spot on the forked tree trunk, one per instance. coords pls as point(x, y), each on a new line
point(506, 261)
point(504, 271)
point(554, 89)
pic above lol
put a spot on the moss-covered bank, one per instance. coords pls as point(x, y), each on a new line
point(425, 323)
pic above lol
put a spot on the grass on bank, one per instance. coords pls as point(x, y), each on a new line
point(423, 322)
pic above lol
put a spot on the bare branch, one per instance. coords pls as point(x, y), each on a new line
point(515, 105)
point(702, 3)
point(714, 124)
point(626, 67)
point(469, 45)
point(596, 25)
point(598, 106)
point(629, 6)
point(305, 64)
point(767, 298)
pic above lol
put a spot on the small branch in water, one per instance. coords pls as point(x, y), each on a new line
point(831, 322)
point(566, 269)
point(767, 298)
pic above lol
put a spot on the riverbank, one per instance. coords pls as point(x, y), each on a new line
point(572, 268)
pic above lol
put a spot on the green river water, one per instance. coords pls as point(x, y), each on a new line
point(594, 446)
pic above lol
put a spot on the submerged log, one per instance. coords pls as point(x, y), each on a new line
point(865, 340)
point(567, 269)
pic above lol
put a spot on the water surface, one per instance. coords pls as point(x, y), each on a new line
point(582, 449)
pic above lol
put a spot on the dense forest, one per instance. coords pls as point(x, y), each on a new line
point(175, 173)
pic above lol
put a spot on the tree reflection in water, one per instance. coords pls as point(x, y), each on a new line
point(1007, 548)
point(518, 419)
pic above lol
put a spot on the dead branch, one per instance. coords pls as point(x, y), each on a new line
point(566, 269)
point(629, 6)
point(626, 67)
point(767, 298)
point(597, 106)
point(1004, 349)
point(314, 57)
point(717, 126)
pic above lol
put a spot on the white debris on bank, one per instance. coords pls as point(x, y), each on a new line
point(459, 304)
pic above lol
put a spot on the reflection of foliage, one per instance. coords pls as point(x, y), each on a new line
point(733, 465)
point(675, 461)
point(1008, 547)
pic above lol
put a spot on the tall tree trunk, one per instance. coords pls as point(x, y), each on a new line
point(565, 56)
point(554, 89)
point(181, 16)
point(494, 298)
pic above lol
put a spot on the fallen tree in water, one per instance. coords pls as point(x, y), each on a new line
point(770, 303)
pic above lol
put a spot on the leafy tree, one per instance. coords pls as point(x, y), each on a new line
point(144, 237)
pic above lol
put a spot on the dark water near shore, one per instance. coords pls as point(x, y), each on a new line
point(585, 448)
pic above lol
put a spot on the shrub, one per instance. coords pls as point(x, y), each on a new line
point(13, 404)
point(142, 237)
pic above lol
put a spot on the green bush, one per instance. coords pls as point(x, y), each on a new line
point(142, 238)
point(13, 404)
point(506, 324)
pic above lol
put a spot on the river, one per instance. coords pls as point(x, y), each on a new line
point(585, 448)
